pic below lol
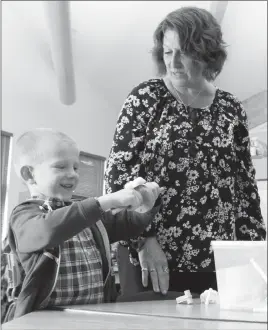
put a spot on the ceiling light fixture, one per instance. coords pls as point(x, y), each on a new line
point(58, 16)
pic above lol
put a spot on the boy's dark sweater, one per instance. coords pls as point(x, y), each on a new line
point(33, 231)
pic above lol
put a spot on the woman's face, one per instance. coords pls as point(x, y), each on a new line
point(181, 69)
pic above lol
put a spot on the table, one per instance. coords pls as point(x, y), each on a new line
point(165, 314)
point(169, 308)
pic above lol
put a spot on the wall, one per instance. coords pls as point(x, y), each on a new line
point(244, 29)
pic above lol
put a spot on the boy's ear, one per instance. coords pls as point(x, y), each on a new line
point(26, 173)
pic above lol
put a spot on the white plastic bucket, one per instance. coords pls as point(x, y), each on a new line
point(241, 270)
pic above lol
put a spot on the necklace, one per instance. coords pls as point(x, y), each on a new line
point(187, 105)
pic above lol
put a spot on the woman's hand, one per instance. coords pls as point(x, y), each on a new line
point(153, 261)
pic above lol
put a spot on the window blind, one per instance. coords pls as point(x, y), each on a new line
point(6, 139)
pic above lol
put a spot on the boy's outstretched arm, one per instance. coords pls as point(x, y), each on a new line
point(35, 230)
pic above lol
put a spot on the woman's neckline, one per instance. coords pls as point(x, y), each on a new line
point(205, 107)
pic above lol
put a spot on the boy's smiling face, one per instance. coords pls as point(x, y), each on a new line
point(57, 175)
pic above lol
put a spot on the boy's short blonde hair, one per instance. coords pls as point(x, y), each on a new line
point(27, 149)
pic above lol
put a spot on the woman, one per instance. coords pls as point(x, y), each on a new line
point(192, 139)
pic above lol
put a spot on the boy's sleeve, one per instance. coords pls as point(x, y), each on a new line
point(128, 224)
point(35, 230)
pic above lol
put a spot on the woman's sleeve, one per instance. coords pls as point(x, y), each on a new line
point(249, 220)
point(125, 160)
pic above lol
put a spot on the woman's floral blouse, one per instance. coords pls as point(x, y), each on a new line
point(203, 161)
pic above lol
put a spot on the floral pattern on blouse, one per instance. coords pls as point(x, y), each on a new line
point(202, 159)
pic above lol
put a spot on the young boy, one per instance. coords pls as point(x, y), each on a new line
point(63, 247)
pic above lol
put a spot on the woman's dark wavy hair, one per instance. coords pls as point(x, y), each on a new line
point(200, 38)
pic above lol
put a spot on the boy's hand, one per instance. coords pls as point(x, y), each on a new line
point(150, 192)
point(125, 198)
point(130, 198)
point(138, 195)
point(135, 183)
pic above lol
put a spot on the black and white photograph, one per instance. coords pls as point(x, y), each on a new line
point(134, 165)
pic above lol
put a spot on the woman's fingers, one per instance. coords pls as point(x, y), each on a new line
point(154, 279)
point(163, 278)
point(160, 278)
point(144, 275)
point(150, 270)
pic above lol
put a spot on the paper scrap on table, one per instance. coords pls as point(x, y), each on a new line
point(186, 298)
point(209, 296)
